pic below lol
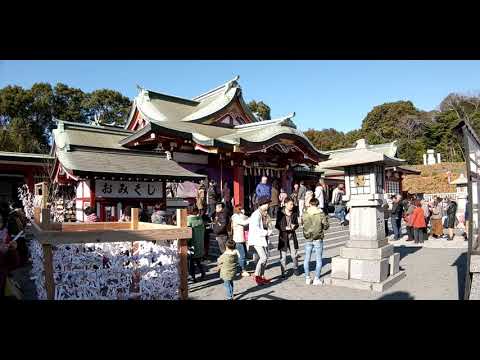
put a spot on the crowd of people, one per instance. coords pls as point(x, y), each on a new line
point(273, 208)
point(13, 247)
point(423, 218)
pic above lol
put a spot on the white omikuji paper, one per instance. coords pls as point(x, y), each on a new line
point(105, 272)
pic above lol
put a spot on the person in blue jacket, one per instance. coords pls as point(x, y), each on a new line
point(263, 190)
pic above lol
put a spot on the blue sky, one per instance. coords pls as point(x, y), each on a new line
point(323, 94)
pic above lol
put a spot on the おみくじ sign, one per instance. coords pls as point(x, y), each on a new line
point(128, 189)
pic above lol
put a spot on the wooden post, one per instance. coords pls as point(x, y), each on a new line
point(48, 267)
point(134, 219)
point(45, 219)
point(36, 215)
point(183, 252)
point(44, 195)
point(238, 194)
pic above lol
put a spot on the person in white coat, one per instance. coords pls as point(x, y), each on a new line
point(319, 194)
point(257, 237)
point(239, 222)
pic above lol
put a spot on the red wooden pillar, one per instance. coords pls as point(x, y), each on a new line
point(285, 182)
point(238, 188)
point(30, 182)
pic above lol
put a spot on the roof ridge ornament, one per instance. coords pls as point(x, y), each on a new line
point(231, 84)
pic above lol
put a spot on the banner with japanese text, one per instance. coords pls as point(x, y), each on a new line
point(128, 189)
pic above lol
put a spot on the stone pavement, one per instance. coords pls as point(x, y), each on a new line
point(434, 271)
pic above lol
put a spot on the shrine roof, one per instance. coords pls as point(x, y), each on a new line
point(359, 155)
point(130, 163)
point(26, 159)
point(389, 149)
point(210, 135)
point(160, 107)
point(68, 133)
point(95, 149)
point(461, 180)
point(405, 170)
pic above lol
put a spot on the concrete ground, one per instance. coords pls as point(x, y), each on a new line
point(432, 273)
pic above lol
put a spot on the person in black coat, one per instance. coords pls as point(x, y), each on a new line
point(220, 226)
point(287, 224)
point(396, 216)
point(451, 217)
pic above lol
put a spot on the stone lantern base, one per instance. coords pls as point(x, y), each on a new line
point(377, 273)
point(367, 262)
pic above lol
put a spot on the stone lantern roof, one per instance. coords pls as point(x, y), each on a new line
point(462, 180)
point(358, 156)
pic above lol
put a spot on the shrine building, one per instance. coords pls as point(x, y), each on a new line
point(216, 134)
point(168, 145)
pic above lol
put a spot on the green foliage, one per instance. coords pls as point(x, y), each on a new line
point(260, 108)
point(22, 136)
point(414, 130)
point(68, 104)
point(107, 106)
point(27, 115)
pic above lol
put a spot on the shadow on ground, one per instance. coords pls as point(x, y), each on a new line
point(461, 264)
point(397, 295)
point(406, 250)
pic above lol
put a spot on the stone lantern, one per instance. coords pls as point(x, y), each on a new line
point(367, 261)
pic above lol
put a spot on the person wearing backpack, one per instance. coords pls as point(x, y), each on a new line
point(315, 223)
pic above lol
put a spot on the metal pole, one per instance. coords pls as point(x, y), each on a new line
point(470, 210)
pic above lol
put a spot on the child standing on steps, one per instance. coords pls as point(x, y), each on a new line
point(228, 263)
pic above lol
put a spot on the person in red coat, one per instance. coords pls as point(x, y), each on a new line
point(418, 222)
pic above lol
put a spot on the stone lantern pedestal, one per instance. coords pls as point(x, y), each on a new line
point(367, 262)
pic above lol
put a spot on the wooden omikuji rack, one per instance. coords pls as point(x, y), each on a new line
point(50, 234)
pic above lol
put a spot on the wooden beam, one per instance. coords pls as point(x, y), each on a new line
point(99, 236)
point(36, 214)
point(48, 266)
point(134, 219)
point(66, 227)
point(181, 218)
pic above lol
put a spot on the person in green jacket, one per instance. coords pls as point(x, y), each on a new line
point(315, 222)
point(196, 243)
point(228, 263)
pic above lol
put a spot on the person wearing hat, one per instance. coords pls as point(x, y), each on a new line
point(257, 237)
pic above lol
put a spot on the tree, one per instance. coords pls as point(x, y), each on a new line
point(381, 125)
point(68, 104)
point(107, 106)
point(15, 101)
point(326, 139)
point(260, 108)
point(23, 136)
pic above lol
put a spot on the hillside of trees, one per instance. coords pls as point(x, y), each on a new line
point(27, 117)
point(414, 129)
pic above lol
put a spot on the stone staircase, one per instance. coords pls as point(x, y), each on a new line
point(336, 236)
